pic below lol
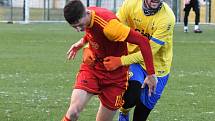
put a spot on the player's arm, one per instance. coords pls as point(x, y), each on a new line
point(136, 57)
point(116, 31)
point(71, 53)
point(88, 56)
point(160, 37)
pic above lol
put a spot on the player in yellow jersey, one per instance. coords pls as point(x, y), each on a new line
point(155, 20)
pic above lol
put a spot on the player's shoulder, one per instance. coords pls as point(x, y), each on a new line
point(167, 11)
point(166, 14)
point(103, 13)
point(99, 10)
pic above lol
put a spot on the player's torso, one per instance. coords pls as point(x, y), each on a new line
point(100, 45)
point(148, 26)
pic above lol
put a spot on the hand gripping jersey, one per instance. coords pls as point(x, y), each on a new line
point(98, 42)
point(108, 37)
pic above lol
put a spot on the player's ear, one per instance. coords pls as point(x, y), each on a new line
point(88, 15)
point(87, 12)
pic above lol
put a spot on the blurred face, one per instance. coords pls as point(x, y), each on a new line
point(82, 23)
point(152, 4)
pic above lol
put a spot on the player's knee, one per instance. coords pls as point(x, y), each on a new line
point(134, 89)
point(132, 94)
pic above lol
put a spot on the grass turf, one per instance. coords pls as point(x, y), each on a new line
point(36, 80)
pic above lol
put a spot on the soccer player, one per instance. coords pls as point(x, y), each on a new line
point(106, 37)
point(196, 8)
point(155, 20)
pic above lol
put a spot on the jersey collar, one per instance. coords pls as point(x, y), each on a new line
point(92, 18)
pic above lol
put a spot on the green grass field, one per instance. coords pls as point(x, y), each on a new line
point(36, 80)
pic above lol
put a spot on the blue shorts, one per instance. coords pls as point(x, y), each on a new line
point(137, 73)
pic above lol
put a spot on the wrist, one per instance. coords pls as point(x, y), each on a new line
point(153, 76)
point(124, 61)
point(86, 45)
point(120, 61)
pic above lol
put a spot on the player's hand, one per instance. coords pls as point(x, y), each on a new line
point(111, 63)
point(88, 57)
point(151, 81)
point(71, 53)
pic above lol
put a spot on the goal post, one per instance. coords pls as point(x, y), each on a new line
point(26, 11)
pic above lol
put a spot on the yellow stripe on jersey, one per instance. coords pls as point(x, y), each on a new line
point(92, 19)
point(116, 31)
point(100, 21)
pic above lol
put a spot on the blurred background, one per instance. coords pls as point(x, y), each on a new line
point(51, 10)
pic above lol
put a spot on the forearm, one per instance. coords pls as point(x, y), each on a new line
point(81, 42)
point(85, 41)
point(132, 58)
point(143, 42)
point(137, 56)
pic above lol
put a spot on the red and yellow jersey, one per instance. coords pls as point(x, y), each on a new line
point(100, 41)
point(108, 37)
point(158, 28)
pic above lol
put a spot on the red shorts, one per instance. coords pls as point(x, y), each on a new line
point(109, 86)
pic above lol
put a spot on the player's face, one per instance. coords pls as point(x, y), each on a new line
point(152, 3)
point(81, 24)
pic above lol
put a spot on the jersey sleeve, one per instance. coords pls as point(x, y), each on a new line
point(159, 38)
point(143, 42)
point(132, 58)
point(163, 32)
point(116, 31)
point(162, 35)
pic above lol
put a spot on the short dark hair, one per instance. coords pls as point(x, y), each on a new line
point(73, 11)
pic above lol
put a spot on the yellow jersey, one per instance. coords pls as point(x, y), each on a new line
point(158, 28)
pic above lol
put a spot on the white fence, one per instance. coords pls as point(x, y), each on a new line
point(52, 10)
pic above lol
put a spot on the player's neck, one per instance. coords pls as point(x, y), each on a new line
point(89, 17)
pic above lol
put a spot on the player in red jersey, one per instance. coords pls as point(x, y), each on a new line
point(106, 37)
